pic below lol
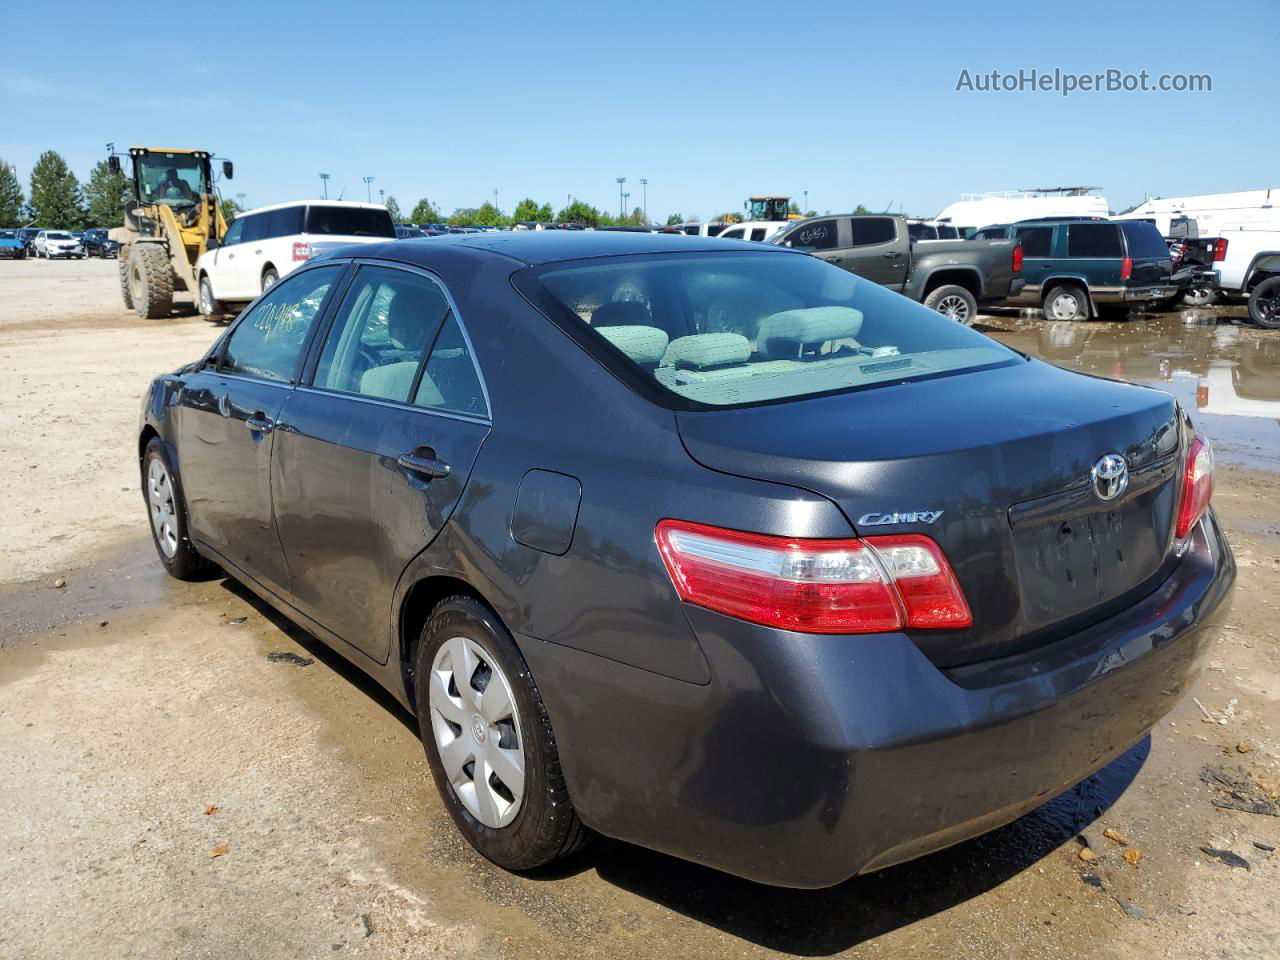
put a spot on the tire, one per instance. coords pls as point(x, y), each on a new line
point(537, 825)
point(210, 306)
point(122, 267)
point(1264, 304)
point(270, 277)
point(954, 301)
point(1066, 303)
point(167, 512)
point(150, 281)
point(1199, 295)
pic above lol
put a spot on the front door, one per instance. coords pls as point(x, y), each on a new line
point(372, 457)
point(227, 415)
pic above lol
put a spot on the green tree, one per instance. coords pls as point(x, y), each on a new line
point(10, 196)
point(230, 209)
point(56, 201)
point(425, 212)
point(462, 217)
point(579, 212)
point(545, 213)
point(393, 208)
point(106, 194)
point(526, 209)
point(674, 220)
point(635, 218)
point(859, 210)
point(487, 215)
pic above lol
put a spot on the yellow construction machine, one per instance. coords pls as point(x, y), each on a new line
point(172, 214)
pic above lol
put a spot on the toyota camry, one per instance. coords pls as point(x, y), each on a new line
point(708, 546)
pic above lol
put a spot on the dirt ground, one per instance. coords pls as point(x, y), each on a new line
point(171, 792)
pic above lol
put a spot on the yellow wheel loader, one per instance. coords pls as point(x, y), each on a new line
point(168, 221)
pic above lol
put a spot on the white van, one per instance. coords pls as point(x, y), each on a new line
point(263, 245)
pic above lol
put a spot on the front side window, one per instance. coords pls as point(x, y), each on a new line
point(819, 235)
point(268, 340)
point(234, 232)
point(870, 230)
point(734, 233)
point(1036, 241)
point(376, 345)
point(730, 329)
point(1096, 240)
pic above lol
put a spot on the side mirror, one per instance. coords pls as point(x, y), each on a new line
point(212, 243)
point(228, 168)
point(113, 162)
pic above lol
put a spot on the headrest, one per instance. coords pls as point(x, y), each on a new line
point(786, 333)
point(706, 350)
point(621, 313)
point(644, 345)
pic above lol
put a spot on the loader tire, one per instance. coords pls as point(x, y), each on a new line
point(122, 266)
point(150, 281)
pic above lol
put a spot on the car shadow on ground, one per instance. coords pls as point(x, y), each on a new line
point(811, 923)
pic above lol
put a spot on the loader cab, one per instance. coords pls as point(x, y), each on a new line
point(768, 208)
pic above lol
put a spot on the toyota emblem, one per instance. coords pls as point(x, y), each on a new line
point(1110, 476)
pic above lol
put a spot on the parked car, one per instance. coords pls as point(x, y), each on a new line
point(1249, 268)
point(931, 230)
point(407, 231)
point(52, 244)
point(263, 245)
point(28, 237)
point(753, 230)
point(97, 243)
point(707, 546)
point(11, 247)
point(1086, 267)
point(1197, 255)
point(952, 278)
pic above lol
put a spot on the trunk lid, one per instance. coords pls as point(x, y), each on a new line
point(1005, 456)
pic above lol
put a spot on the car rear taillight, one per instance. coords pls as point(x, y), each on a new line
point(1220, 249)
point(871, 585)
point(1126, 268)
point(1197, 486)
point(1017, 258)
point(301, 251)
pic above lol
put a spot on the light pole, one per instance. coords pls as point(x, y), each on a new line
point(382, 196)
point(644, 198)
point(625, 198)
point(240, 199)
point(805, 211)
point(368, 188)
point(621, 201)
point(324, 181)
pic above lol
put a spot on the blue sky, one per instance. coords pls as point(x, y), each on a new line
point(709, 101)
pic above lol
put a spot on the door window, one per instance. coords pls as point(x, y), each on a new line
point(868, 230)
point(451, 381)
point(757, 233)
point(734, 233)
point(284, 222)
point(255, 228)
point(376, 344)
point(234, 232)
point(819, 235)
point(1095, 240)
point(1036, 241)
point(269, 339)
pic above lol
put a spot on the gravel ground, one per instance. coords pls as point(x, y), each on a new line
point(170, 792)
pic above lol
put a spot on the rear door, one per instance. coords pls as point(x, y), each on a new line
point(878, 250)
point(227, 415)
point(373, 455)
point(1096, 252)
point(1037, 258)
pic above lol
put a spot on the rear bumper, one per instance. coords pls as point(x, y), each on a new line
point(1160, 291)
point(807, 759)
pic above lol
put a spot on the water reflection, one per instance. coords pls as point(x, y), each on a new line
point(1226, 375)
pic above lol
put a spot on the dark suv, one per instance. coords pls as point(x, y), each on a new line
point(1077, 269)
point(98, 244)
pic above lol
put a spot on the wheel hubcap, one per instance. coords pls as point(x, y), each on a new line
point(1063, 307)
point(476, 731)
point(164, 517)
point(954, 307)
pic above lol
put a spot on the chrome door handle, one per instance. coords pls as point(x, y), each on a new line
point(427, 466)
point(260, 424)
point(891, 255)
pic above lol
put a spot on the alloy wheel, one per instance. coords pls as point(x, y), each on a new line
point(954, 307)
point(164, 516)
point(477, 731)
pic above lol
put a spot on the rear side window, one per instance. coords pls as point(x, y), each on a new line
point(350, 222)
point(1036, 241)
point(284, 222)
point(819, 235)
point(268, 340)
point(757, 233)
point(868, 230)
point(1144, 240)
point(1094, 240)
point(991, 233)
point(255, 228)
point(701, 330)
point(451, 381)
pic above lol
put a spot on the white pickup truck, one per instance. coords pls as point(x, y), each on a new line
point(1250, 268)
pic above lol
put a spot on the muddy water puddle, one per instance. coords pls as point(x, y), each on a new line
point(1227, 375)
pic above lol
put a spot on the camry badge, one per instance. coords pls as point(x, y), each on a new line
point(1110, 476)
point(912, 516)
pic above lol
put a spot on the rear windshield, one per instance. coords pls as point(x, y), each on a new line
point(350, 222)
point(702, 330)
point(1144, 240)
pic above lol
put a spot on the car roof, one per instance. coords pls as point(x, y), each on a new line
point(312, 203)
point(535, 247)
